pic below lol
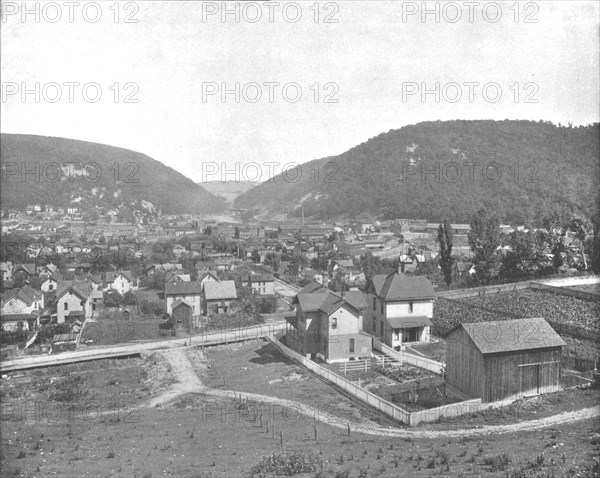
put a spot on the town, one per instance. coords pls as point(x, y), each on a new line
point(404, 314)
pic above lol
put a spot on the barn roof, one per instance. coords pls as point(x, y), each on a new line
point(512, 335)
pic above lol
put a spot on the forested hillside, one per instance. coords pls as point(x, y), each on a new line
point(520, 170)
point(93, 175)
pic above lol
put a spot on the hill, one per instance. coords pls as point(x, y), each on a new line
point(229, 190)
point(113, 178)
point(543, 167)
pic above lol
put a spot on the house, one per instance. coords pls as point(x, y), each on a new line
point(12, 322)
point(121, 281)
point(208, 277)
point(97, 301)
point(179, 250)
point(262, 284)
point(27, 270)
point(188, 292)
point(504, 359)
point(25, 300)
point(73, 301)
point(173, 276)
point(205, 266)
point(48, 270)
point(51, 282)
point(94, 279)
point(343, 264)
point(327, 326)
point(400, 308)
point(464, 269)
point(218, 296)
point(6, 269)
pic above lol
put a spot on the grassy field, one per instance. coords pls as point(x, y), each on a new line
point(198, 436)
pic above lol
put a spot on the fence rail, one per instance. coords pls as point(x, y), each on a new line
point(391, 410)
point(355, 366)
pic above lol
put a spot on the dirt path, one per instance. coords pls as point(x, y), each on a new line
point(189, 382)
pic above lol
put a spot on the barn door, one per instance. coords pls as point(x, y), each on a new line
point(530, 379)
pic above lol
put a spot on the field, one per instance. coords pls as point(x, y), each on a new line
point(593, 288)
point(561, 309)
point(203, 432)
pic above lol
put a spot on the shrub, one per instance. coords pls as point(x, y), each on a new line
point(498, 462)
point(290, 463)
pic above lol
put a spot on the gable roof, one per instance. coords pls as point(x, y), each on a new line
point(512, 334)
point(220, 290)
point(311, 287)
point(401, 287)
point(179, 302)
point(111, 276)
point(25, 294)
point(322, 299)
point(81, 288)
point(183, 288)
point(260, 278)
point(345, 263)
point(28, 268)
point(356, 298)
point(208, 274)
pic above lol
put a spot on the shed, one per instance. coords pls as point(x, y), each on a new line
point(504, 359)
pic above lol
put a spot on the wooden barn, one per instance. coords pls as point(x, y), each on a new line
point(504, 359)
point(182, 314)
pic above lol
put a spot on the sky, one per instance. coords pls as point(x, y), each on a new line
point(314, 78)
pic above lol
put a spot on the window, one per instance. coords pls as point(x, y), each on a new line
point(66, 306)
point(410, 307)
point(51, 287)
point(81, 303)
point(382, 307)
point(351, 346)
point(334, 323)
point(374, 303)
point(396, 334)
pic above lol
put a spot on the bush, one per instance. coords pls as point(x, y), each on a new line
point(291, 463)
point(498, 462)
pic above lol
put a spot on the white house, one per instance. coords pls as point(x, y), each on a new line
point(261, 284)
point(190, 292)
point(51, 282)
point(73, 301)
point(6, 270)
point(25, 300)
point(399, 308)
point(121, 281)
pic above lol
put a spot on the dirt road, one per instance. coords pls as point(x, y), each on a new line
point(189, 382)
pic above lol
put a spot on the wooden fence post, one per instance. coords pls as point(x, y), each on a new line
point(281, 437)
point(315, 433)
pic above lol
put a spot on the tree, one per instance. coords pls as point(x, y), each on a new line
point(445, 235)
point(581, 228)
point(527, 257)
point(484, 240)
